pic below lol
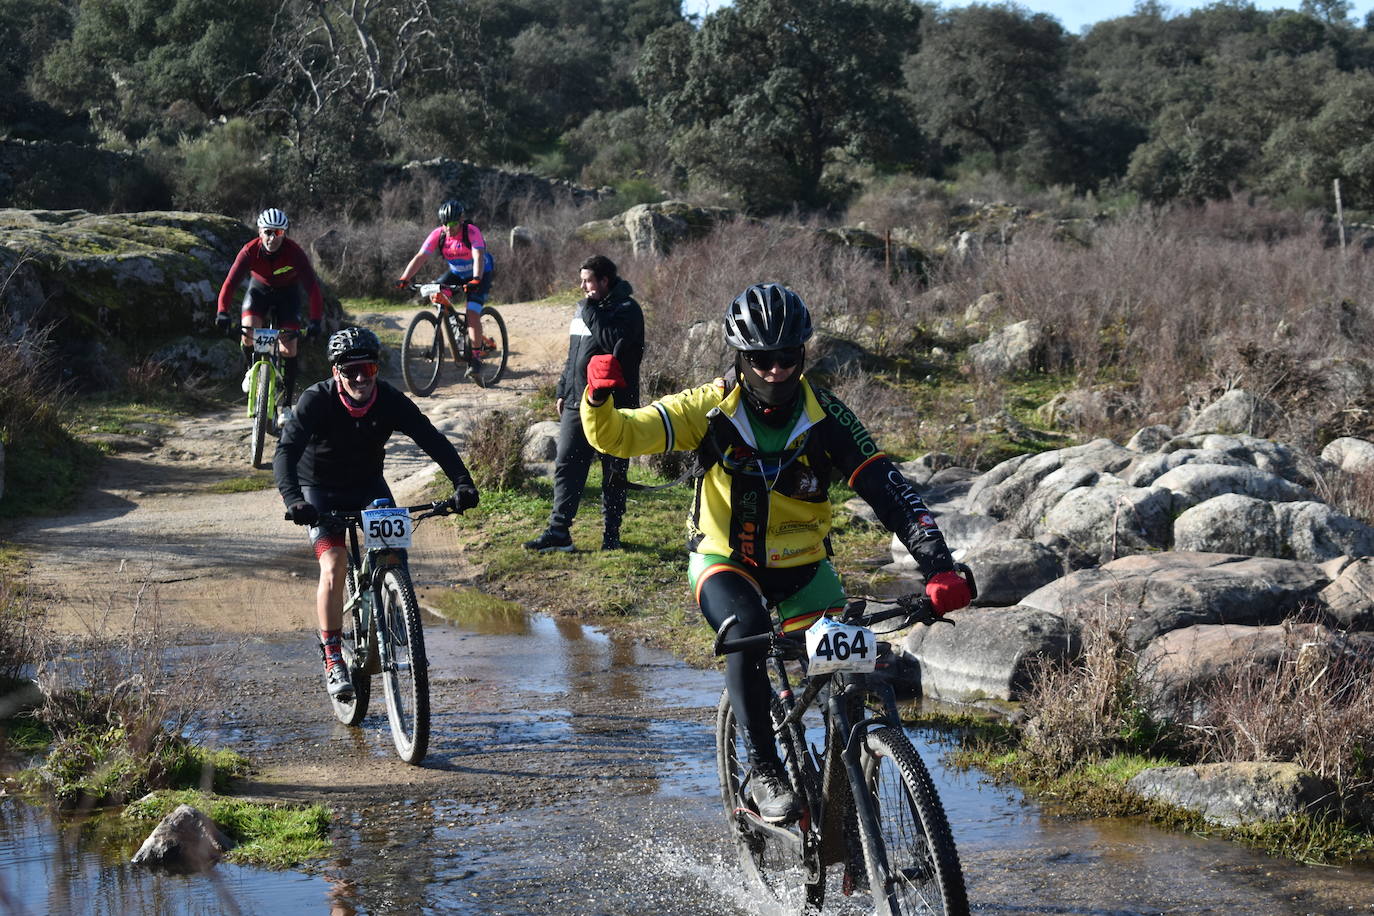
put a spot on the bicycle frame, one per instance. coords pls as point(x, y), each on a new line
point(367, 569)
point(449, 317)
point(274, 375)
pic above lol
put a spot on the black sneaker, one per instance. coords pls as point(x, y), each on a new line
point(772, 794)
point(548, 542)
point(611, 542)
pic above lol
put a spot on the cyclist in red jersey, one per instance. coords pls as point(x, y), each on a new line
point(277, 270)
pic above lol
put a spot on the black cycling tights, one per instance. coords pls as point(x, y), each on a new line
point(726, 593)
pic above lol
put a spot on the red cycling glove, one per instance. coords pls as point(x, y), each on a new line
point(603, 374)
point(947, 592)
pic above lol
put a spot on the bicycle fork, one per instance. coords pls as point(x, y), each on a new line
point(849, 741)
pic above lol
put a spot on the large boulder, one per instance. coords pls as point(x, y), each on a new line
point(1179, 669)
point(1236, 411)
point(1349, 600)
point(988, 653)
point(1147, 470)
point(1007, 571)
point(1195, 483)
point(1018, 347)
point(1352, 455)
point(117, 288)
point(1155, 593)
point(1231, 794)
point(1002, 490)
point(1112, 519)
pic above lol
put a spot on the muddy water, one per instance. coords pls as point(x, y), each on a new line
point(571, 773)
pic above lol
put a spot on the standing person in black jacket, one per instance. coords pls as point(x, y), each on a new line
point(330, 457)
point(608, 323)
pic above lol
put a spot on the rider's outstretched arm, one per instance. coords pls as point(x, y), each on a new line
point(676, 422)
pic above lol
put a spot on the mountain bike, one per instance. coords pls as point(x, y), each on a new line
point(422, 350)
point(264, 384)
point(868, 802)
point(381, 622)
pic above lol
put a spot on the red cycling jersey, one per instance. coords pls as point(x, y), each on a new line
point(289, 265)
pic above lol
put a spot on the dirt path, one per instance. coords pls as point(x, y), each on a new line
point(228, 562)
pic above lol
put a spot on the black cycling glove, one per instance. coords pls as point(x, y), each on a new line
point(303, 514)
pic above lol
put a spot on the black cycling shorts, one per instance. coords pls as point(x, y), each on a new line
point(283, 302)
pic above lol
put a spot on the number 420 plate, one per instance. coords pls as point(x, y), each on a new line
point(386, 527)
point(834, 646)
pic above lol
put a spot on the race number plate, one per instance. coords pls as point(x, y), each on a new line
point(264, 339)
point(388, 527)
point(834, 646)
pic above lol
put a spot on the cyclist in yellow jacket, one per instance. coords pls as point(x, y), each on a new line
point(768, 443)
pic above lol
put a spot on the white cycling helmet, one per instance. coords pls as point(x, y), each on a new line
point(272, 218)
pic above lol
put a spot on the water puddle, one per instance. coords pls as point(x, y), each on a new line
point(622, 815)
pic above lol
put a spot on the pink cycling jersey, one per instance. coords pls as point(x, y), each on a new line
point(458, 255)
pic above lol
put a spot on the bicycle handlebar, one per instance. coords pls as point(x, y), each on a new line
point(429, 510)
point(283, 333)
point(913, 609)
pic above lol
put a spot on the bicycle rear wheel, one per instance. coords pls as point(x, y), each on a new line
point(352, 712)
point(772, 856)
point(405, 673)
point(924, 875)
point(262, 409)
point(493, 360)
point(422, 351)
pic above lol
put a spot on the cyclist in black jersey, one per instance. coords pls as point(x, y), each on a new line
point(330, 456)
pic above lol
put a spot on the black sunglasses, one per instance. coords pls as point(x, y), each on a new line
point(767, 359)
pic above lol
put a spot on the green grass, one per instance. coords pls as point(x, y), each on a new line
point(257, 480)
point(273, 836)
point(642, 589)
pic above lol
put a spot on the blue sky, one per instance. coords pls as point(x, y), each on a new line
point(1075, 14)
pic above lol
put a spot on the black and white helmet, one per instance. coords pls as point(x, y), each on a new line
point(352, 345)
point(272, 218)
point(767, 316)
point(451, 211)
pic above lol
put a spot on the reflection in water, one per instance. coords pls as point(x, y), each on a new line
point(81, 865)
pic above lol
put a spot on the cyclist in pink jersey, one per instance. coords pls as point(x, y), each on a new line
point(460, 243)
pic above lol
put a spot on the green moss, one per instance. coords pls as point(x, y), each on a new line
point(258, 480)
point(273, 836)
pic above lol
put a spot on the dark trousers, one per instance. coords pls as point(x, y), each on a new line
point(573, 461)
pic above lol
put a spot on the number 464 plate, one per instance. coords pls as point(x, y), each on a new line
point(834, 646)
point(386, 527)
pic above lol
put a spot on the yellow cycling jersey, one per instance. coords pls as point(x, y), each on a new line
point(768, 508)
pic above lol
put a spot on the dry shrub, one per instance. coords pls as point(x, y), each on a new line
point(1169, 298)
point(120, 707)
point(21, 634)
point(1093, 705)
point(1349, 492)
point(495, 449)
point(1316, 709)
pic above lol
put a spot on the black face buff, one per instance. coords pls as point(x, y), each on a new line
point(766, 396)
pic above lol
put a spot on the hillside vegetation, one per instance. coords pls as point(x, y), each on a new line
point(768, 104)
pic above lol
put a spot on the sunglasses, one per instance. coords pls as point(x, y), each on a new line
point(767, 359)
point(273, 232)
point(358, 370)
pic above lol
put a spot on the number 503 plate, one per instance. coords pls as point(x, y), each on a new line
point(387, 527)
point(834, 646)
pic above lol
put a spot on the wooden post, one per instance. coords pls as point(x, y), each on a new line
point(1340, 214)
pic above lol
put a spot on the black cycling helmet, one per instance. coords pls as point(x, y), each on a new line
point(451, 211)
point(767, 316)
point(352, 345)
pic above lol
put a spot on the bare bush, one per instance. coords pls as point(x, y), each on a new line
point(1349, 492)
point(495, 450)
point(1172, 299)
point(1092, 706)
point(1315, 708)
point(120, 707)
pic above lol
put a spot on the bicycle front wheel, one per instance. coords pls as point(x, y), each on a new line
point(772, 856)
point(355, 642)
point(405, 671)
point(492, 364)
point(422, 351)
point(262, 409)
point(922, 870)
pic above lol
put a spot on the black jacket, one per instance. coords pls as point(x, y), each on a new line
point(615, 326)
point(324, 446)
